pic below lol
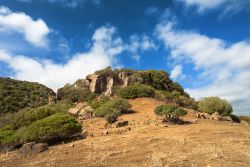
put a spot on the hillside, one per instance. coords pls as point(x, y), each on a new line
point(16, 95)
point(147, 142)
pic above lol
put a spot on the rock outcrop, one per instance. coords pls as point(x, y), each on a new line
point(33, 148)
point(103, 81)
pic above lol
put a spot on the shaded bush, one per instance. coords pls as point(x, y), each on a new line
point(111, 117)
point(75, 94)
point(186, 102)
point(98, 102)
point(211, 105)
point(170, 112)
point(28, 116)
point(118, 106)
point(235, 118)
point(16, 95)
point(54, 128)
point(136, 90)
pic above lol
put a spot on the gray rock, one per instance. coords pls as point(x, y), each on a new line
point(33, 148)
point(216, 116)
point(121, 124)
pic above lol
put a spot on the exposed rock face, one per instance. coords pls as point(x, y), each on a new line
point(33, 148)
point(101, 83)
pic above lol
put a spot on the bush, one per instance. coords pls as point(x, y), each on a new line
point(235, 118)
point(8, 136)
point(75, 94)
point(111, 117)
point(28, 116)
point(211, 105)
point(54, 128)
point(98, 102)
point(183, 101)
point(136, 90)
point(171, 112)
point(117, 106)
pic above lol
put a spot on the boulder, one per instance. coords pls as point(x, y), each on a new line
point(33, 148)
point(216, 116)
point(86, 112)
point(228, 118)
point(203, 115)
point(121, 124)
point(74, 111)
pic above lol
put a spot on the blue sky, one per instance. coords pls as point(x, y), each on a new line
point(203, 44)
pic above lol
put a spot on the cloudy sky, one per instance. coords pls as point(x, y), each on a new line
point(203, 44)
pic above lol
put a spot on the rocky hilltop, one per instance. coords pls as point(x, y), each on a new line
point(106, 80)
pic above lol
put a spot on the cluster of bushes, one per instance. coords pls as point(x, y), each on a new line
point(16, 95)
point(47, 123)
point(211, 105)
point(141, 90)
point(110, 108)
point(75, 94)
point(136, 90)
point(170, 112)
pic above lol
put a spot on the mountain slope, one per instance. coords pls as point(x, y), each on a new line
point(16, 95)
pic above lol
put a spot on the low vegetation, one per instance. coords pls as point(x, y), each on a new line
point(45, 123)
point(211, 105)
point(136, 90)
point(110, 108)
point(170, 112)
point(53, 128)
point(75, 94)
point(16, 95)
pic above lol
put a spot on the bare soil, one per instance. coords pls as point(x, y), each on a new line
point(146, 142)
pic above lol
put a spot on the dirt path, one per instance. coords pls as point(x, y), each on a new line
point(148, 143)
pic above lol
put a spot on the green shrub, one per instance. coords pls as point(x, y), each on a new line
point(53, 128)
point(111, 117)
point(171, 112)
point(235, 118)
point(118, 106)
point(136, 90)
point(75, 94)
point(183, 101)
point(98, 102)
point(28, 116)
point(111, 109)
point(9, 136)
point(211, 105)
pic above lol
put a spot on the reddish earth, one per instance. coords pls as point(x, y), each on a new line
point(147, 142)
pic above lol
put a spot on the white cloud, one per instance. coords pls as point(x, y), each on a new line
point(106, 45)
point(228, 5)
point(227, 66)
point(34, 31)
point(176, 72)
point(140, 44)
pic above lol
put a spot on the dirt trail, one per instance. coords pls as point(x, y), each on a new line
point(148, 144)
